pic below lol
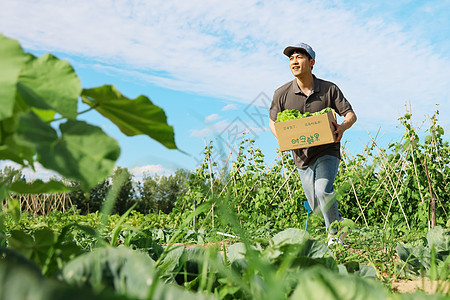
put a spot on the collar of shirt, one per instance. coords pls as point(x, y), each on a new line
point(297, 90)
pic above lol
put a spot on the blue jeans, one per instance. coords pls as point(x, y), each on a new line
point(317, 181)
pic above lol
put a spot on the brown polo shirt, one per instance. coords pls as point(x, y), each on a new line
point(325, 94)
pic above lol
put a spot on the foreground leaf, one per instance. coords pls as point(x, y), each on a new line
point(10, 147)
point(49, 83)
point(120, 269)
point(236, 251)
point(12, 60)
point(38, 187)
point(417, 259)
point(439, 238)
point(33, 246)
point(319, 283)
point(170, 265)
point(133, 117)
point(83, 152)
point(290, 236)
point(20, 279)
point(356, 268)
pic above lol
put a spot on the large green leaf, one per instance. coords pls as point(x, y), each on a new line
point(170, 292)
point(417, 258)
point(32, 131)
point(38, 187)
point(356, 268)
point(12, 59)
point(298, 248)
point(21, 242)
point(83, 152)
point(20, 279)
point(9, 147)
point(127, 272)
point(18, 282)
point(290, 236)
point(439, 238)
point(124, 271)
point(33, 246)
point(236, 251)
point(319, 283)
point(171, 264)
point(26, 133)
point(309, 248)
point(298, 241)
point(49, 83)
point(132, 116)
point(11, 150)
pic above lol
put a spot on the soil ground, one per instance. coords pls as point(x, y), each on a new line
point(423, 284)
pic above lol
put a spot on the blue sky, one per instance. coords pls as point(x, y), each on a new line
point(213, 65)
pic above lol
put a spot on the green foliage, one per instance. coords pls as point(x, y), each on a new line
point(82, 152)
point(376, 187)
point(45, 248)
point(264, 198)
point(10, 175)
point(159, 193)
point(105, 256)
point(319, 284)
point(397, 185)
point(38, 187)
point(428, 256)
point(36, 90)
point(125, 197)
point(292, 114)
point(91, 201)
point(120, 269)
point(273, 268)
point(133, 117)
point(152, 194)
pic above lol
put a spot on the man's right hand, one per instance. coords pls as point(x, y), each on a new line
point(272, 127)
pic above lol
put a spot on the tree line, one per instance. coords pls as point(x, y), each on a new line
point(150, 194)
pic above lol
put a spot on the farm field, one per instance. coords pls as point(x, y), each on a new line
point(99, 257)
point(233, 231)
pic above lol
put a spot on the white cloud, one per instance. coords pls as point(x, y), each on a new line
point(232, 49)
point(229, 107)
point(210, 129)
point(225, 129)
point(45, 174)
point(212, 118)
point(150, 170)
point(30, 175)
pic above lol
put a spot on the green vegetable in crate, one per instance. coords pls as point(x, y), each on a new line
point(323, 111)
point(288, 114)
point(292, 114)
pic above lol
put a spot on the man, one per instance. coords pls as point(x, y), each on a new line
point(317, 165)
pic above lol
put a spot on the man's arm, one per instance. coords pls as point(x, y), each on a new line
point(349, 120)
point(272, 127)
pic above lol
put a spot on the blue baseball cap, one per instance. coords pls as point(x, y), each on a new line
point(288, 50)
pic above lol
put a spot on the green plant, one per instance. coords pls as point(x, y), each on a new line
point(39, 93)
point(292, 114)
point(428, 256)
point(160, 193)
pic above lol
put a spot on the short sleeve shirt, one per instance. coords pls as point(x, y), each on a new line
point(325, 94)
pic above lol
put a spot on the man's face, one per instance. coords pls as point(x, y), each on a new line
point(300, 64)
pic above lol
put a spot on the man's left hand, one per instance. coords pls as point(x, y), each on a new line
point(349, 120)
